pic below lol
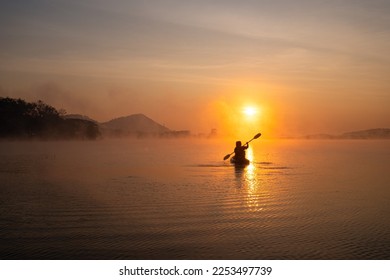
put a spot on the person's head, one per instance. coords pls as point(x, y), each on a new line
point(238, 143)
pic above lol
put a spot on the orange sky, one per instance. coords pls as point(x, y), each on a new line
point(308, 66)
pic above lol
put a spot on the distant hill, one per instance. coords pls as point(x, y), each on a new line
point(79, 117)
point(23, 120)
point(376, 133)
point(133, 125)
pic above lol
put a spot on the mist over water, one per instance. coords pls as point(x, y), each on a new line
point(177, 199)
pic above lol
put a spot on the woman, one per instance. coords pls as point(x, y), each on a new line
point(239, 151)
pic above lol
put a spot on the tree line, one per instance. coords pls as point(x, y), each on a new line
point(36, 120)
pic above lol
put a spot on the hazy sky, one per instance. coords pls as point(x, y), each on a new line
point(309, 66)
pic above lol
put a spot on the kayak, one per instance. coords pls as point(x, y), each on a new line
point(240, 162)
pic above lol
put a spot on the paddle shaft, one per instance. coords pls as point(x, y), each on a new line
point(250, 141)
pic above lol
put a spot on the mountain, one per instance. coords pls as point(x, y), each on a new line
point(376, 133)
point(37, 120)
point(138, 125)
point(79, 117)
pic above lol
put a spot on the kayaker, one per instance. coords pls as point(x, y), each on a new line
point(239, 152)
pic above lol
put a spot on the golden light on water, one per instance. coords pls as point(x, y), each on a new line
point(251, 182)
point(250, 175)
point(257, 191)
point(250, 156)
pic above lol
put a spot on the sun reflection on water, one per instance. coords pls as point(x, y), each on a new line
point(250, 172)
point(249, 181)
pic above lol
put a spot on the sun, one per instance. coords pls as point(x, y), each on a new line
point(250, 111)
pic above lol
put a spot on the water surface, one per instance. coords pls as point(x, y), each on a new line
point(169, 199)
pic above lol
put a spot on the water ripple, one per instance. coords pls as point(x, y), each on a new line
point(272, 209)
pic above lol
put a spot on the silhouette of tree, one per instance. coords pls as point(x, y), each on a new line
point(20, 119)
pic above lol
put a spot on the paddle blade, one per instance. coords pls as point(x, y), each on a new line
point(226, 157)
point(257, 136)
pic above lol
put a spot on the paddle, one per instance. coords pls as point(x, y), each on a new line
point(255, 137)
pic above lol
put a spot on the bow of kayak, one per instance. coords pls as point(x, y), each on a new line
point(242, 162)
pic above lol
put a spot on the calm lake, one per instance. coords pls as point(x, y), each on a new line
point(177, 199)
